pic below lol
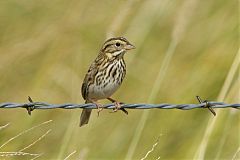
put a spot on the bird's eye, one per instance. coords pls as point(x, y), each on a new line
point(117, 44)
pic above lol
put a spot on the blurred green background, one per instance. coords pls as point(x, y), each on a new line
point(184, 48)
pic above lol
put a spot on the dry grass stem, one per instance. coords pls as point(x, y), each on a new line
point(8, 154)
point(24, 132)
point(158, 158)
point(4, 126)
point(70, 155)
point(233, 70)
point(152, 149)
point(36, 156)
point(34, 142)
point(235, 156)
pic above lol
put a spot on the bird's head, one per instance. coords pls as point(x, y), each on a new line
point(116, 47)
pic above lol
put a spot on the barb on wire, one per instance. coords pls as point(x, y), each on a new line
point(207, 105)
point(42, 105)
point(30, 108)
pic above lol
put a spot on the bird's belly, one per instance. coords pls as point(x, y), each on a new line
point(102, 91)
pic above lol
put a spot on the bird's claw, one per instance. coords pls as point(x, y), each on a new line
point(99, 109)
point(117, 107)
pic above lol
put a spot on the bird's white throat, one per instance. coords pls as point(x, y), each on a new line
point(117, 53)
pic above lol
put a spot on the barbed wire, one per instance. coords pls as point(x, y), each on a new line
point(42, 105)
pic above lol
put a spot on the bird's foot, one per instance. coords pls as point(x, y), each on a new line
point(117, 106)
point(98, 105)
point(99, 109)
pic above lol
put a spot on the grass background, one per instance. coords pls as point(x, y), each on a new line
point(184, 48)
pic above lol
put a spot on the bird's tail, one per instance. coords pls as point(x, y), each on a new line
point(85, 115)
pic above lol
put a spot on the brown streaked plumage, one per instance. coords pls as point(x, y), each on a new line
point(105, 75)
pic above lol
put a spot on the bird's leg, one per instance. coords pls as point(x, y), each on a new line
point(98, 105)
point(117, 105)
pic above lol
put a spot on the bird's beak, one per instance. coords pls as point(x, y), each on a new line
point(129, 47)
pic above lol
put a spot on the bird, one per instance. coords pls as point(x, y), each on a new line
point(105, 75)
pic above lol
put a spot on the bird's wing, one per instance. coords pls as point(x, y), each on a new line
point(89, 77)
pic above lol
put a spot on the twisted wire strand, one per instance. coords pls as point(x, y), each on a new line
point(43, 105)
